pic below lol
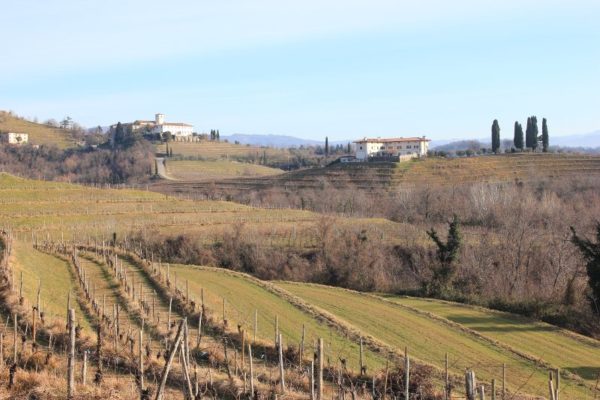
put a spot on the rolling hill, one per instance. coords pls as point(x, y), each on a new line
point(38, 133)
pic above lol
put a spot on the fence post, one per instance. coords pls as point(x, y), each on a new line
point(84, 369)
point(503, 381)
point(406, 374)
point(71, 360)
point(320, 371)
point(281, 369)
point(15, 355)
point(251, 370)
point(141, 360)
point(301, 355)
point(361, 358)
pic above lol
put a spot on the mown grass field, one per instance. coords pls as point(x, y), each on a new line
point(243, 296)
point(192, 170)
point(564, 349)
point(429, 339)
point(209, 150)
point(56, 280)
point(38, 133)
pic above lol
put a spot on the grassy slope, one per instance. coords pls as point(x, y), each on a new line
point(429, 339)
point(244, 296)
point(419, 173)
point(38, 133)
point(220, 150)
point(561, 348)
point(218, 169)
point(61, 208)
point(55, 277)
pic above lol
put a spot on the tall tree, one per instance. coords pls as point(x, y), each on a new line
point(326, 146)
point(349, 148)
point(591, 254)
point(534, 132)
point(518, 139)
point(447, 254)
point(218, 136)
point(118, 135)
point(545, 138)
point(495, 136)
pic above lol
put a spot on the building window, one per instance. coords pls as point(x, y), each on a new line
point(361, 147)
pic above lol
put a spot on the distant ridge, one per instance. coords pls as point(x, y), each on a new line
point(277, 140)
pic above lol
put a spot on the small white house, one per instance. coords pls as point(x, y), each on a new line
point(409, 147)
point(14, 138)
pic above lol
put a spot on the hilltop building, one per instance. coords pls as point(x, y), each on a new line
point(179, 130)
point(14, 138)
point(402, 148)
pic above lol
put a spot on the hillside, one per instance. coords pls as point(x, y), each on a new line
point(415, 173)
point(191, 170)
point(527, 348)
point(211, 151)
point(38, 133)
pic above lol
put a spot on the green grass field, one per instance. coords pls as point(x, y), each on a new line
point(561, 348)
point(429, 339)
point(191, 170)
point(55, 277)
point(38, 133)
point(244, 296)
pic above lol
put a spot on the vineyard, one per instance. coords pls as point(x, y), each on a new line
point(190, 170)
point(131, 313)
point(389, 176)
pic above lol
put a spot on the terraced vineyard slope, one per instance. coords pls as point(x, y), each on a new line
point(558, 347)
point(429, 338)
point(409, 174)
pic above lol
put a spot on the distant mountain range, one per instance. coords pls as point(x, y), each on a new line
point(277, 140)
point(581, 141)
point(588, 140)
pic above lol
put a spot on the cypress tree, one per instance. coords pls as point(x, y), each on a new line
point(528, 133)
point(326, 146)
point(545, 138)
point(534, 132)
point(349, 148)
point(218, 136)
point(518, 139)
point(495, 136)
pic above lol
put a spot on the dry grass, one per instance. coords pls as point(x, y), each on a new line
point(190, 170)
point(208, 150)
point(38, 133)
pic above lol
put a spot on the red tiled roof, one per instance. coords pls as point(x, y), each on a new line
point(393, 140)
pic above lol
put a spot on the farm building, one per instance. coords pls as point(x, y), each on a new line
point(14, 138)
point(159, 126)
point(410, 147)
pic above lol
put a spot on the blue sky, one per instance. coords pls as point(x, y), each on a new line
point(344, 69)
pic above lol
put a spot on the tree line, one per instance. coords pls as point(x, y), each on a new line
point(531, 140)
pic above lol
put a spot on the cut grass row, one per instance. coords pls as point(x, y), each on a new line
point(429, 339)
point(56, 281)
point(564, 349)
point(245, 296)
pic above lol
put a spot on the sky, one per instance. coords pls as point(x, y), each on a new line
point(342, 69)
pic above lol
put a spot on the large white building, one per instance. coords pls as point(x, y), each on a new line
point(159, 126)
point(14, 138)
point(410, 147)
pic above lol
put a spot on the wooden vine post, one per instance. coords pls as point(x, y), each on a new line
point(141, 360)
point(165, 373)
point(320, 371)
point(281, 366)
point(251, 370)
point(71, 360)
point(406, 374)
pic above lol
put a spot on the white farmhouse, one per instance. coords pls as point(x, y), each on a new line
point(410, 147)
point(14, 138)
